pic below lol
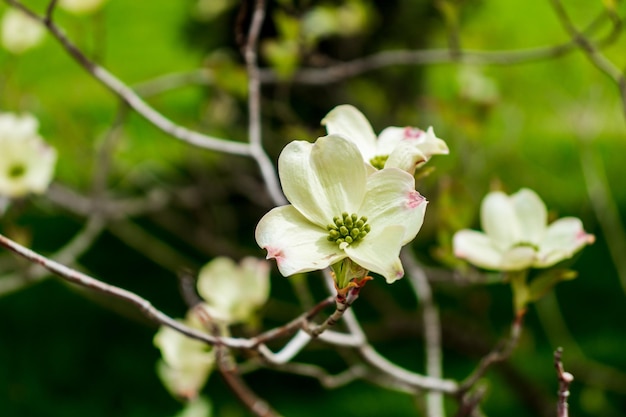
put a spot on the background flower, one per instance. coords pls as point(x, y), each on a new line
point(517, 235)
point(234, 292)
point(26, 161)
point(20, 32)
point(81, 6)
point(186, 363)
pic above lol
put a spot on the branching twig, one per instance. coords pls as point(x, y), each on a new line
point(500, 353)
point(591, 52)
point(565, 379)
point(432, 329)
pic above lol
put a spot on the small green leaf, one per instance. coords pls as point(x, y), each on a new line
point(546, 281)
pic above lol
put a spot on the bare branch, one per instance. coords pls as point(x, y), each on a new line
point(565, 379)
point(432, 329)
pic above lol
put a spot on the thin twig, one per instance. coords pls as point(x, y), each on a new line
point(131, 98)
point(432, 329)
point(592, 53)
point(565, 379)
point(254, 105)
point(498, 354)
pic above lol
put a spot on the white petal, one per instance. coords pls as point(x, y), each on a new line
point(391, 199)
point(295, 243)
point(430, 144)
point(499, 220)
point(347, 121)
point(563, 239)
point(20, 32)
point(518, 258)
point(256, 277)
point(532, 215)
point(379, 252)
point(389, 138)
point(406, 157)
point(220, 285)
point(324, 179)
point(477, 248)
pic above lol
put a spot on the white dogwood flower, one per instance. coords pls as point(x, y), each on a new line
point(186, 363)
point(338, 211)
point(20, 32)
point(516, 234)
point(26, 161)
point(400, 147)
point(233, 293)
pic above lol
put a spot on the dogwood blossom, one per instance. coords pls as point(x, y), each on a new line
point(516, 234)
point(20, 32)
point(26, 161)
point(338, 211)
point(400, 147)
point(186, 363)
point(81, 6)
point(234, 292)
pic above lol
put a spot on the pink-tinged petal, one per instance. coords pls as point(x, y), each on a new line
point(477, 248)
point(562, 240)
point(406, 157)
point(391, 199)
point(348, 121)
point(379, 252)
point(297, 244)
point(323, 179)
point(499, 220)
point(430, 144)
point(531, 214)
point(518, 258)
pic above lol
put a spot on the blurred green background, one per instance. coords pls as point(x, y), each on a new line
point(556, 125)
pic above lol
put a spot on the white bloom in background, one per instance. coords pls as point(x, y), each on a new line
point(20, 32)
point(198, 407)
point(26, 161)
point(516, 234)
point(400, 147)
point(337, 211)
point(81, 6)
point(233, 293)
point(186, 363)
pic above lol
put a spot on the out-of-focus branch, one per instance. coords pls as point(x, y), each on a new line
point(432, 329)
point(498, 354)
point(131, 98)
point(565, 379)
point(254, 105)
point(591, 51)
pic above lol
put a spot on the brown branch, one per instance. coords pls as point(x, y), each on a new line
point(591, 51)
point(130, 97)
point(498, 354)
point(565, 379)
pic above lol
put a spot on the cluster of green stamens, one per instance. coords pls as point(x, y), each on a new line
point(16, 171)
point(379, 161)
point(526, 244)
point(348, 228)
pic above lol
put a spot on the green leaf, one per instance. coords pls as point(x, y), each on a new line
point(546, 281)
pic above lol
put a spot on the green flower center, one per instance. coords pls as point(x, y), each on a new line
point(379, 161)
point(526, 244)
point(347, 229)
point(16, 171)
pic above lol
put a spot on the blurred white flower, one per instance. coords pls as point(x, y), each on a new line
point(396, 147)
point(198, 407)
point(186, 363)
point(475, 86)
point(233, 293)
point(517, 235)
point(81, 6)
point(338, 211)
point(26, 161)
point(20, 32)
